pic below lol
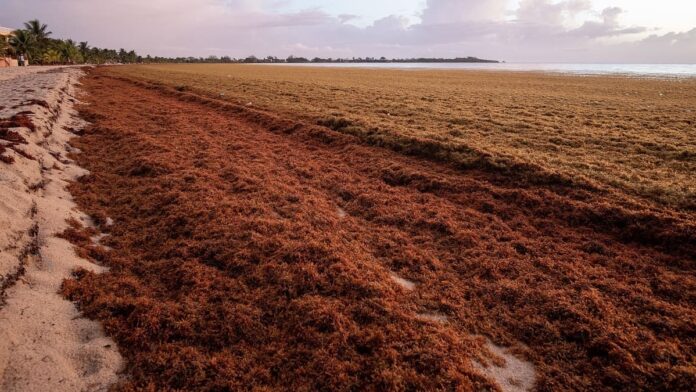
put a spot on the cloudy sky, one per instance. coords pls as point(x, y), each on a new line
point(606, 31)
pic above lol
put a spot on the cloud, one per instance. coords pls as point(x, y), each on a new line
point(538, 30)
point(546, 12)
point(439, 12)
point(344, 18)
point(608, 27)
point(673, 47)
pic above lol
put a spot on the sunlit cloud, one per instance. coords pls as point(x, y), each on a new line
point(531, 31)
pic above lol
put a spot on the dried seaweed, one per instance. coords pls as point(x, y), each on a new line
point(231, 268)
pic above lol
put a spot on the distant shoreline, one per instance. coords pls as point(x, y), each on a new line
point(669, 71)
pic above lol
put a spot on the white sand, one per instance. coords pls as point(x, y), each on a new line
point(509, 372)
point(499, 364)
point(44, 343)
point(513, 374)
point(403, 283)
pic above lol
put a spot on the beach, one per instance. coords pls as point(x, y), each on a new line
point(44, 343)
point(633, 135)
point(290, 228)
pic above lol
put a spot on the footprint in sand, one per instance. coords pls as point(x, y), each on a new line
point(510, 373)
point(514, 375)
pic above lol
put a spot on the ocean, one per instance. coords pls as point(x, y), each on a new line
point(639, 70)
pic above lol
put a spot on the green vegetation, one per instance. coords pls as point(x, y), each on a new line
point(35, 43)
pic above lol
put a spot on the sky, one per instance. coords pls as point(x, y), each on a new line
point(570, 31)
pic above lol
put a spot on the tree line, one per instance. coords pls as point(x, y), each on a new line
point(35, 43)
point(298, 60)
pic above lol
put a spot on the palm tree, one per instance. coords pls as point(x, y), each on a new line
point(22, 42)
point(132, 57)
point(68, 51)
point(40, 33)
point(37, 29)
point(83, 47)
point(52, 56)
point(122, 55)
point(95, 56)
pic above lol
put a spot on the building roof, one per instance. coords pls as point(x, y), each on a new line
point(6, 30)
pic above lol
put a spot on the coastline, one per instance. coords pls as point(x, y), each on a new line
point(45, 344)
point(251, 233)
point(649, 71)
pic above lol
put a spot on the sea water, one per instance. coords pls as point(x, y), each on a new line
point(645, 70)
